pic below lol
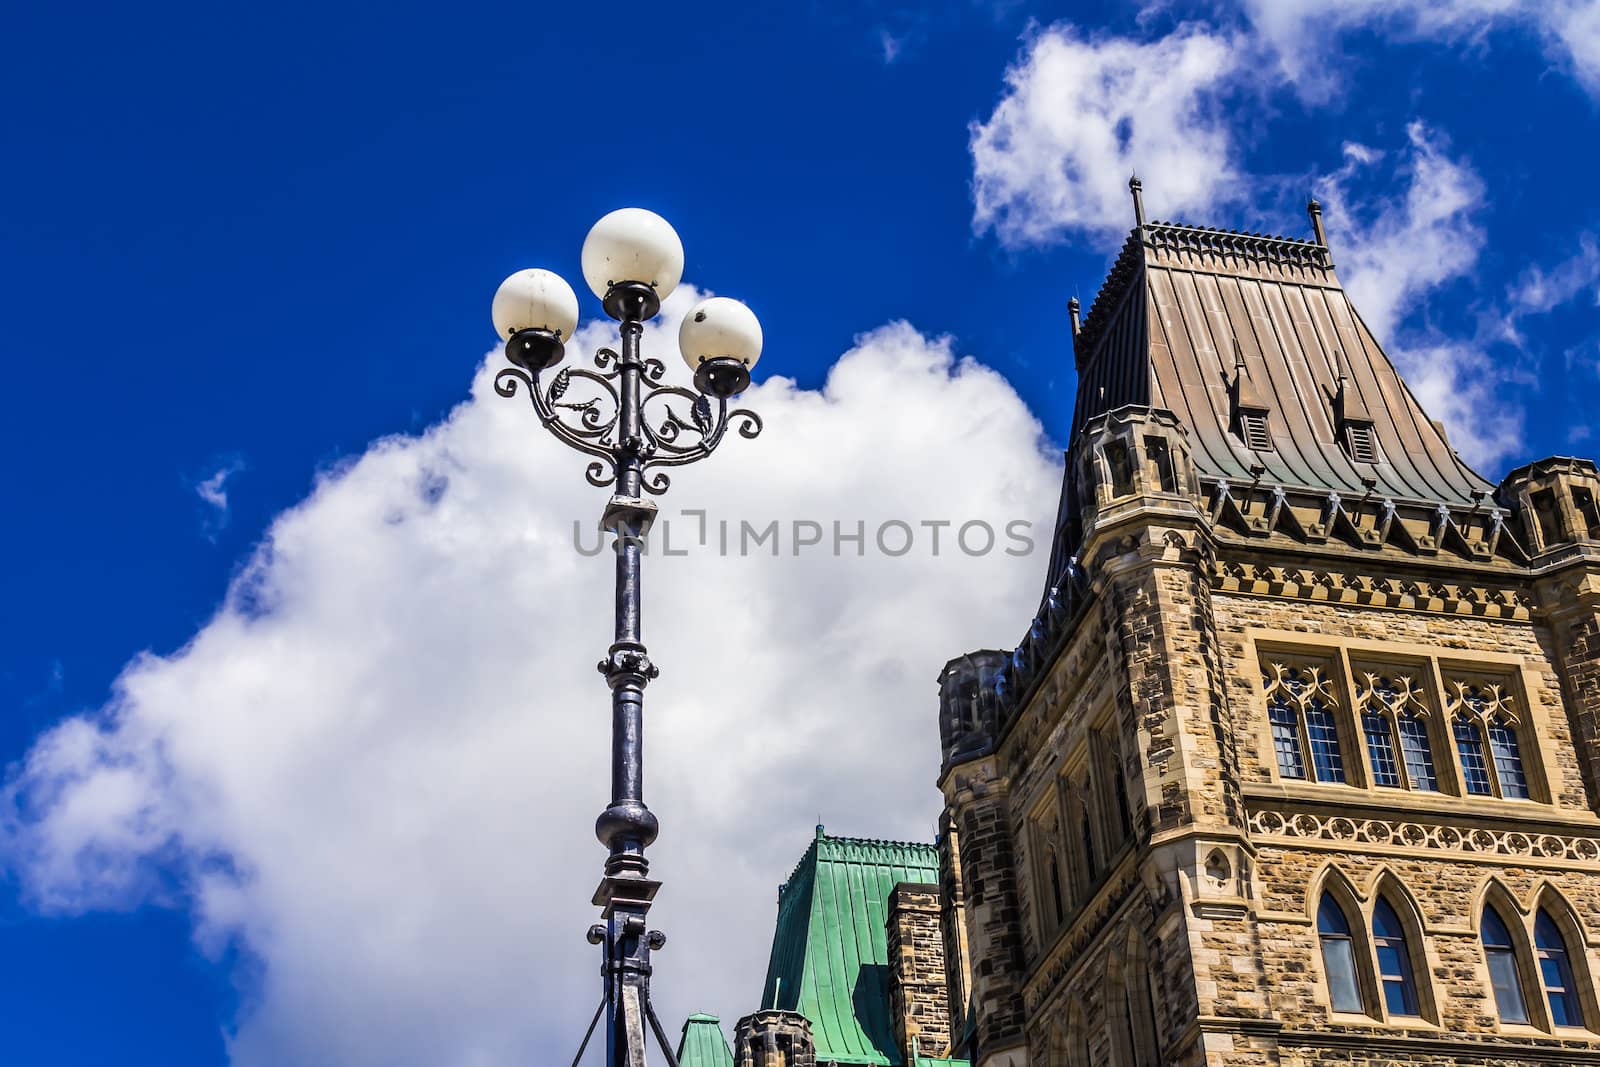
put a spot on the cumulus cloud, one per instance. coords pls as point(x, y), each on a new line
point(376, 768)
point(1302, 33)
point(1080, 113)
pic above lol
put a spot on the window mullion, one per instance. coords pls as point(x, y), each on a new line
point(1445, 733)
point(1402, 764)
point(1489, 760)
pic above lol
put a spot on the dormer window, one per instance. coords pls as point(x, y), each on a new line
point(1253, 428)
point(1361, 442)
point(1249, 411)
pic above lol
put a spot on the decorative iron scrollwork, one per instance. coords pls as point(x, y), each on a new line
point(583, 408)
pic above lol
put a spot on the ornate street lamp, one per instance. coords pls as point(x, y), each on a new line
point(621, 414)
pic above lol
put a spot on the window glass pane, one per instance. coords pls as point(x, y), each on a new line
point(1380, 749)
point(1418, 756)
point(1556, 971)
point(1330, 917)
point(1507, 986)
point(1469, 742)
point(1503, 975)
point(1340, 962)
point(1286, 740)
point(1507, 759)
point(1323, 734)
point(1495, 934)
point(1394, 963)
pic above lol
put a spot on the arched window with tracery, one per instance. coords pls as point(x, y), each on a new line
point(1500, 953)
point(1301, 709)
point(1394, 720)
point(1486, 727)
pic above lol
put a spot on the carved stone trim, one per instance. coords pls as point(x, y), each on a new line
point(1533, 848)
point(1338, 586)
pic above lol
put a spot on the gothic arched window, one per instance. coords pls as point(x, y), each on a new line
point(1555, 971)
point(1338, 955)
point(1057, 901)
point(1305, 734)
point(1482, 710)
point(1394, 720)
point(1501, 954)
point(1394, 961)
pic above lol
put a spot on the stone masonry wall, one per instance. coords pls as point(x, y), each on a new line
point(1573, 603)
point(976, 797)
point(918, 996)
point(953, 925)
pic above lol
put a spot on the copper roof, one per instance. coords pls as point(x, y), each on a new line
point(830, 948)
point(1183, 306)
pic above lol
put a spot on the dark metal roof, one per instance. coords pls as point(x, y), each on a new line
point(1184, 306)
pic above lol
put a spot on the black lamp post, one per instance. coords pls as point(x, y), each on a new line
point(621, 414)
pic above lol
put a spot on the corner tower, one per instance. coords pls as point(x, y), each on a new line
point(1297, 761)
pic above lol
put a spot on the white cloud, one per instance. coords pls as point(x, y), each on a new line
point(1303, 33)
point(891, 45)
point(378, 765)
point(1394, 253)
point(1538, 290)
point(213, 491)
point(1081, 113)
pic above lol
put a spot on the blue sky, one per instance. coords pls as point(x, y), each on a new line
point(243, 245)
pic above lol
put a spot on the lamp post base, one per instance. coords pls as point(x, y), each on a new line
point(628, 941)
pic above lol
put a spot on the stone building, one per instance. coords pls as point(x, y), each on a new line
point(1299, 760)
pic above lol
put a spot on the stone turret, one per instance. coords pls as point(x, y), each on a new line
point(774, 1039)
point(1559, 499)
point(977, 842)
point(968, 704)
point(1559, 503)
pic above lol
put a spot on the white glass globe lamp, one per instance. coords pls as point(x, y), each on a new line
point(535, 312)
point(721, 340)
point(633, 260)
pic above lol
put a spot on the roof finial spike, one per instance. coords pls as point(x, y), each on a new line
point(1073, 308)
point(1238, 356)
point(1314, 209)
point(1136, 187)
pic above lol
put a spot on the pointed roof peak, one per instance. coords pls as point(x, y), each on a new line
point(703, 1043)
point(1159, 334)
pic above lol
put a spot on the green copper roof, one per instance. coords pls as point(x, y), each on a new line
point(830, 954)
point(703, 1044)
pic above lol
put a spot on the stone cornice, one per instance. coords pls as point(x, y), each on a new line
point(1326, 581)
